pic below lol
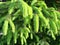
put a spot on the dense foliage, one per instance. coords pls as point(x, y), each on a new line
point(29, 22)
